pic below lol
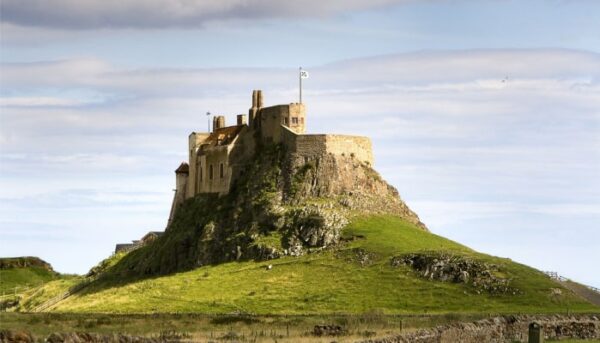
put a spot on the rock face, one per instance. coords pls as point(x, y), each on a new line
point(281, 205)
point(457, 269)
point(502, 330)
point(356, 185)
point(24, 262)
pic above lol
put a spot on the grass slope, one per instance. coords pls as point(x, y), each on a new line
point(20, 273)
point(332, 281)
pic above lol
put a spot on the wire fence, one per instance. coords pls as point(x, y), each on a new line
point(557, 277)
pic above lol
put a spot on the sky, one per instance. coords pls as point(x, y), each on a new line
point(484, 114)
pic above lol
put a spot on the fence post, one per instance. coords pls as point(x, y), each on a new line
point(536, 333)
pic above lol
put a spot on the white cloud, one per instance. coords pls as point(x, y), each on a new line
point(166, 13)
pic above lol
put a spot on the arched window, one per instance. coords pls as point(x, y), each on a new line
point(210, 172)
point(221, 171)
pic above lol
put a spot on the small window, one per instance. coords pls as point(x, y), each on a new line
point(294, 120)
point(221, 171)
point(302, 120)
point(200, 172)
point(210, 172)
point(285, 121)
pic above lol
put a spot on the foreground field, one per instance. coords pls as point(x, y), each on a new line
point(256, 329)
point(334, 281)
point(202, 328)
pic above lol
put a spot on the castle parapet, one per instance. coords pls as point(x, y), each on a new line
point(315, 145)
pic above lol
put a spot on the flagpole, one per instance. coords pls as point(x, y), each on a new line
point(300, 80)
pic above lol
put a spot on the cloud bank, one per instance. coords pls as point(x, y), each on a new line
point(92, 14)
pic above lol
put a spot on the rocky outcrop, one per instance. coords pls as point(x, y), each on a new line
point(280, 205)
point(355, 185)
point(507, 329)
point(24, 262)
point(457, 269)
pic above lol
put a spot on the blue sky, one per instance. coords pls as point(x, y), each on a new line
point(484, 114)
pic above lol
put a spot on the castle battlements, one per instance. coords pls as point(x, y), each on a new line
point(217, 158)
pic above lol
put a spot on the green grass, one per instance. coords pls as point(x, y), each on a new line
point(205, 328)
point(328, 282)
point(19, 279)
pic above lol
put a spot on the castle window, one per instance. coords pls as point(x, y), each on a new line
point(210, 172)
point(302, 120)
point(285, 121)
point(221, 171)
point(294, 120)
point(200, 172)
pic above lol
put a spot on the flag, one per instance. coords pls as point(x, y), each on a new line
point(303, 74)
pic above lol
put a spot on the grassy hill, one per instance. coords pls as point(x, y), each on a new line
point(19, 273)
point(354, 277)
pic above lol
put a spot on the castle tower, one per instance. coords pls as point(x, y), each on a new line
point(181, 179)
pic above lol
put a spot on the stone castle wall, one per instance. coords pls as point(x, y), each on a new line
point(315, 145)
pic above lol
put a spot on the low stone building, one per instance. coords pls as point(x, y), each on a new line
point(218, 158)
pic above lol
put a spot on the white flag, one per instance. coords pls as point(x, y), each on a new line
point(303, 74)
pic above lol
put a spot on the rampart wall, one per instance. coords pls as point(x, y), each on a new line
point(315, 145)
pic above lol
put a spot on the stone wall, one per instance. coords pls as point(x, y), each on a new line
point(194, 140)
point(505, 329)
point(314, 145)
point(275, 119)
point(356, 147)
point(214, 158)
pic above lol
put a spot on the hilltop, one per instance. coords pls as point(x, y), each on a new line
point(24, 272)
point(21, 274)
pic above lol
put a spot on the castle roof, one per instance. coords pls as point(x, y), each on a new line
point(183, 168)
point(224, 135)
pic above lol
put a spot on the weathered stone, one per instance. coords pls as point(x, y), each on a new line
point(457, 269)
point(505, 329)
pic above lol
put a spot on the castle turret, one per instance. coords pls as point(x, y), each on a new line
point(181, 178)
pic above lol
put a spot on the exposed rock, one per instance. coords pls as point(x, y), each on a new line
point(24, 262)
point(15, 336)
point(279, 206)
point(456, 269)
point(315, 226)
point(356, 185)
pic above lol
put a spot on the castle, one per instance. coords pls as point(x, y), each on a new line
point(218, 158)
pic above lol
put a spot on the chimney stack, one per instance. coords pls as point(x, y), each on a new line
point(218, 122)
point(259, 101)
point(241, 119)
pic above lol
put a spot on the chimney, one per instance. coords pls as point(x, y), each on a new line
point(218, 122)
point(241, 119)
point(259, 102)
point(253, 109)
